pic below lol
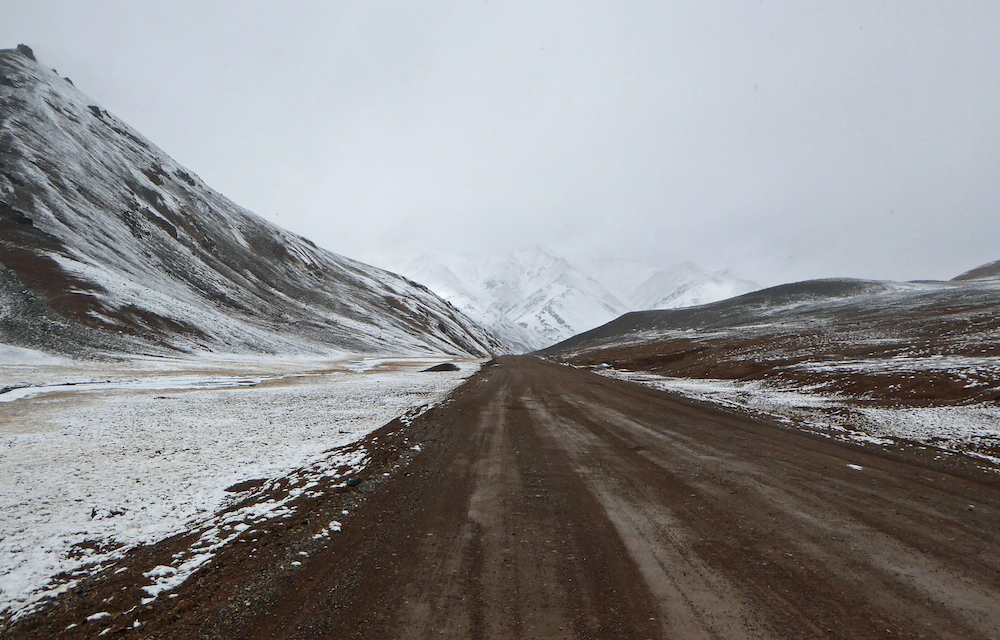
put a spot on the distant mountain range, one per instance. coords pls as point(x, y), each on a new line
point(533, 298)
point(685, 284)
point(108, 245)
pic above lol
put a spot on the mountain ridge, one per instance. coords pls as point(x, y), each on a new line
point(532, 298)
point(988, 270)
point(110, 245)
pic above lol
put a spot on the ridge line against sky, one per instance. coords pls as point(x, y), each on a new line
point(784, 140)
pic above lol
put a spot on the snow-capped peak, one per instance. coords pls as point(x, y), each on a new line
point(533, 297)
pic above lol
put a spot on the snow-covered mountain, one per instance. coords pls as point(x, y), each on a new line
point(107, 244)
point(549, 297)
point(527, 299)
point(684, 284)
point(532, 298)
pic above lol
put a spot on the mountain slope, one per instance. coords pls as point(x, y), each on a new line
point(904, 367)
point(917, 343)
point(109, 244)
point(548, 296)
point(990, 270)
point(686, 285)
point(460, 279)
point(805, 302)
point(643, 286)
point(618, 275)
point(528, 299)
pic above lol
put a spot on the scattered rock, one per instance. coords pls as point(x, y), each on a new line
point(444, 366)
point(353, 482)
point(26, 51)
point(246, 485)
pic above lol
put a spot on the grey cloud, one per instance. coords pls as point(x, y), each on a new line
point(782, 139)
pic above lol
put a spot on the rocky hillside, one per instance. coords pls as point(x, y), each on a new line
point(108, 245)
point(990, 270)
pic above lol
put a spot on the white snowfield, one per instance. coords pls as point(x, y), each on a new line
point(961, 429)
point(96, 458)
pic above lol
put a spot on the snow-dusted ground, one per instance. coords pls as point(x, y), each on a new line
point(98, 457)
point(967, 429)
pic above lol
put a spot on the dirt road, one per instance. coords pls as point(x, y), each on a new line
point(548, 502)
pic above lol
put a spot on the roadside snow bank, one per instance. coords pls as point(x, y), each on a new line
point(89, 470)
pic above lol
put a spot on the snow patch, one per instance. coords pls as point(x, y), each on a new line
point(99, 468)
point(961, 429)
point(11, 356)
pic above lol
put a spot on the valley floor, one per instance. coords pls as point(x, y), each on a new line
point(99, 457)
point(545, 501)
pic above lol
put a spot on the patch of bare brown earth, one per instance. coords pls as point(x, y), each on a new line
point(548, 502)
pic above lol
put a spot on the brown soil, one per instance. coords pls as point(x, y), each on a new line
point(789, 358)
point(548, 502)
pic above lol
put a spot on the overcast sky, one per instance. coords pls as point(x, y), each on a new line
point(784, 140)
